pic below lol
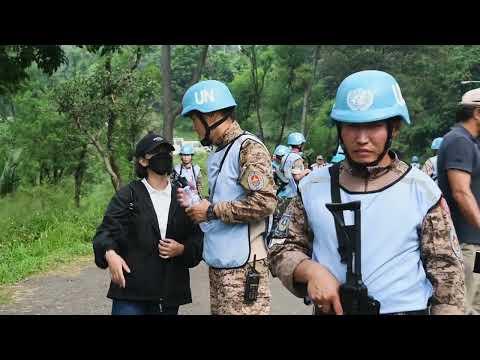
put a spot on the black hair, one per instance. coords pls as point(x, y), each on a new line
point(140, 171)
point(464, 113)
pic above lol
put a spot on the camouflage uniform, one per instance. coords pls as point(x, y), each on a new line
point(227, 285)
point(440, 250)
point(282, 203)
point(427, 168)
point(227, 290)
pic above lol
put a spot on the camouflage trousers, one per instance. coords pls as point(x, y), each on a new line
point(472, 280)
point(227, 288)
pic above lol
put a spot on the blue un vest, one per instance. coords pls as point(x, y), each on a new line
point(226, 245)
point(391, 221)
point(287, 164)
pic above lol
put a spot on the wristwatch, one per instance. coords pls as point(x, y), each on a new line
point(210, 213)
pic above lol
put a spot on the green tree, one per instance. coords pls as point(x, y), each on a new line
point(109, 106)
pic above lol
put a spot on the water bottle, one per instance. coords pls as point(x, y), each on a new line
point(193, 199)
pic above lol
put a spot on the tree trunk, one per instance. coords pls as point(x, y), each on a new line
point(103, 155)
point(41, 174)
point(200, 65)
point(286, 113)
point(308, 91)
point(284, 122)
point(166, 69)
point(197, 73)
point(79, 173)
point(111, 122)
point(254, 73)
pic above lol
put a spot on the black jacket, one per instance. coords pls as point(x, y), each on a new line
point(130, 227)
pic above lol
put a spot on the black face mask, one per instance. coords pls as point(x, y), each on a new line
point(162, 164)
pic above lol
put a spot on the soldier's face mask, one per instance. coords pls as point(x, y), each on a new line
point(161, 163)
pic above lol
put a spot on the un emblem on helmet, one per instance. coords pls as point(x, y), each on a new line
point(360, 99)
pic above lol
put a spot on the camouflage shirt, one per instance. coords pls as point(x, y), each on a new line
point(427, 168)
point(256, 178)
point(440, 250)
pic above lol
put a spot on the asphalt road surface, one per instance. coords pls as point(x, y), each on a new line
point(80, 287)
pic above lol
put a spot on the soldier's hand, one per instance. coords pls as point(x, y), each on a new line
point(116, 265)
point(169, 248)
point(198, 212)
point(323, 289)
point(182, 198)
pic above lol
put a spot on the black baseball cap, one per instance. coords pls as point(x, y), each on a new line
point(149, 142)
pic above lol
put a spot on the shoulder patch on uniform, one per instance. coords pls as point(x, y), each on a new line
point(256, 181)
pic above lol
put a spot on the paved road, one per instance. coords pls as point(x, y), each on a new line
point(80, 288)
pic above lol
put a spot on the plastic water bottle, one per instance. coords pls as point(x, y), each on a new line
point(193, 199)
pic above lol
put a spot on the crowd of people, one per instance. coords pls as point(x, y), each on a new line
point(411, 252)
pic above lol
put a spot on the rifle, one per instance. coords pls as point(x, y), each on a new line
point(353, 293)
point(179, 181)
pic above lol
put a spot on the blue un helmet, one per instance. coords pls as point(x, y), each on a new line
point(205, 97)
point(295, 138)
point(414, 159)
point(369, 96)
point(365, 97)
point(186, 149)
point(281, 150)
point(436, 143)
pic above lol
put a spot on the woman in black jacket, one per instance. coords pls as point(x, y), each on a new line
point(146, 240)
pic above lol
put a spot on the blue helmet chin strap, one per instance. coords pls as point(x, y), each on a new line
point(206, 141)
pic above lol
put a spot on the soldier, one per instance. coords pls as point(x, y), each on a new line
point(293, 169)
point(188, 170)
point(280, 180)
point(415, 162)
point(292, 164)
point(241, 201)
point(430, 166)
point(410, 252)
